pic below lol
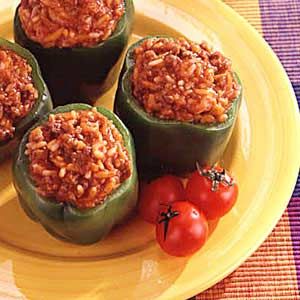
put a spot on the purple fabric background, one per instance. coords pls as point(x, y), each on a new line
point(281, 28)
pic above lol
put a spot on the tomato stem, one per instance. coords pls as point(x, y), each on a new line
point(166, 217)
point(215, 176)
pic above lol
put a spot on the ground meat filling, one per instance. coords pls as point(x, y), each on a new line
point(70, 23)
point(78, 157)
point(17, 92)
point(183, 81)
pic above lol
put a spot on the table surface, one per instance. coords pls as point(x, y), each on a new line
point(273, 272)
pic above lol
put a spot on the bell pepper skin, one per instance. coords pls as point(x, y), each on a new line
point(42, 106)
point(169, 146)
point(79, 74)
point(67, 222)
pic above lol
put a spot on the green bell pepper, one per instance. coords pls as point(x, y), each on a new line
point(64, 221)
point(169, 146)
point(41, 107)
point(78, 74)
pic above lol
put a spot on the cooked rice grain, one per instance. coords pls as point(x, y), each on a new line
point(70, 23)
point(183, 81)
point(78, 157)
point(17, 92)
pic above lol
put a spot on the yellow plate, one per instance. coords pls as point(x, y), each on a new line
point(263, 154)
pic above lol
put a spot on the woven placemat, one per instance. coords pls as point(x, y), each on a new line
point(273, 272)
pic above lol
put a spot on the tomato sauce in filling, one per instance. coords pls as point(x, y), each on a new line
point(78, 157)
point(184, 81)
point(17, 92)
point(70, 23)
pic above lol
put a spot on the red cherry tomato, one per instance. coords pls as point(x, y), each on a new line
point(213, 191)
point(181, 229)
point(164, 190)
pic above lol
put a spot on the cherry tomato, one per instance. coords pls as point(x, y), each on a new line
point(213, 191)
point(181, 229)
point(164, 190)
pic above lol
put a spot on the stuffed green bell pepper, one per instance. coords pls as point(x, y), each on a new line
point(77, 43)
point(75, 173)
point(180, 100)
point(24, 96)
